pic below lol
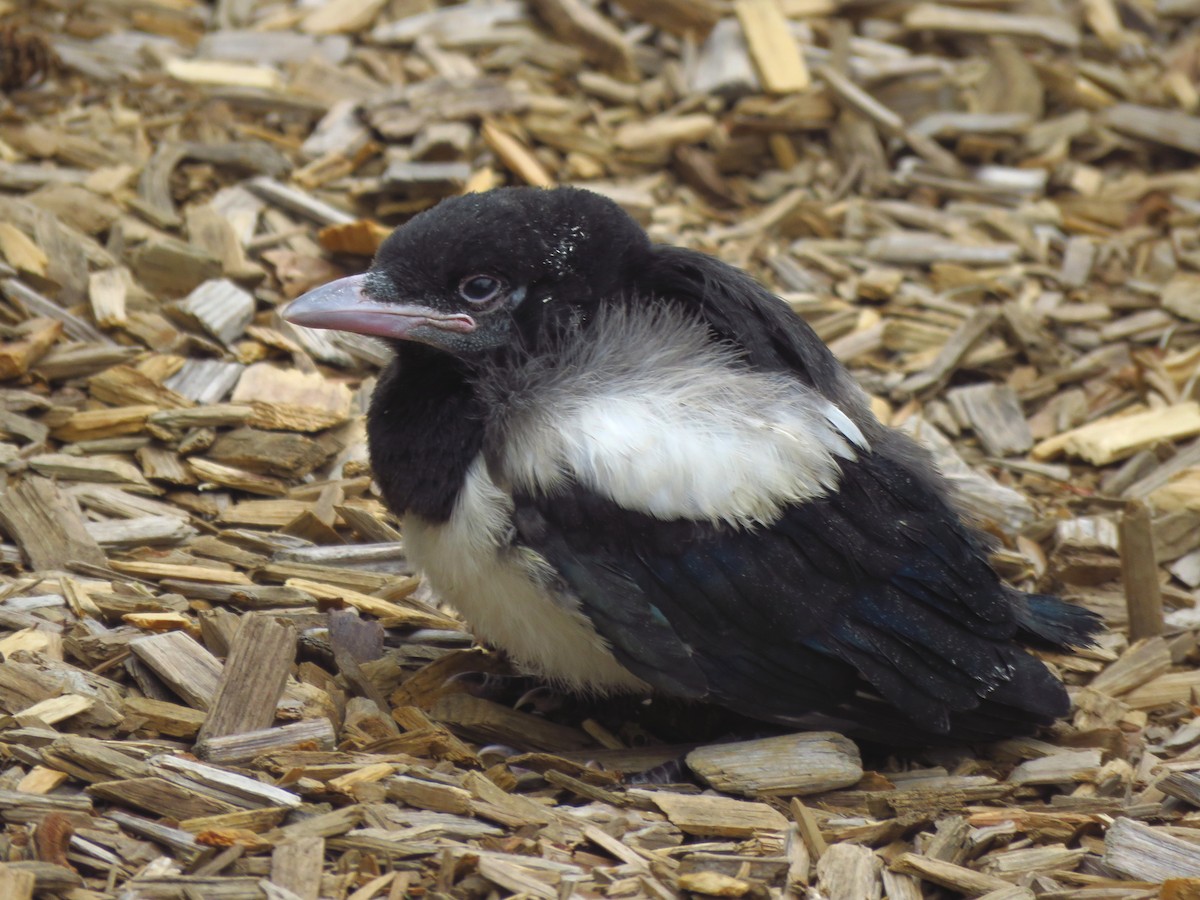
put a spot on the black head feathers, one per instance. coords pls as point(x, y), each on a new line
point(483, 271)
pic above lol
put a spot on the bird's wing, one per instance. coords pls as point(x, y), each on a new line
point(709, 512)
point(777, 619)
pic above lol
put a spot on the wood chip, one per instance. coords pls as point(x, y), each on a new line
point(221, 308)
point(34, 338)
point(772, 46)
point(252, 679)
point(1171, 127)
point(1149, 854)
point(948, 875)
point(995, 414)
point(676, 16)
point(577, 23)
point(244, 747)
point(290, 400)
point(183, 665)
point(47, 525)
point(712, 816)
point(296, 866)
point(516, 156)
point(847, 871)
point(1112, 439)
point(934, 17)
point(789, 765)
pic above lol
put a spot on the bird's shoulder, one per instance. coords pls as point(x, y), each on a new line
point(739, 309)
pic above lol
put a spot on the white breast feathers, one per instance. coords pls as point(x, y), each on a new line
point(502, 591)
point(648, 411)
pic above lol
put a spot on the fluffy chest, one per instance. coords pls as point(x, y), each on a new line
point(507, 593)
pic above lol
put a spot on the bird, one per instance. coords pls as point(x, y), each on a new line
point(634, 469)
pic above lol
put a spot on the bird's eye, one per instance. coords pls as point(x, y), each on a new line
point(479, 289)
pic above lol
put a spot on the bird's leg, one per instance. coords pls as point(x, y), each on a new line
point(673, 771)
point(507, 690)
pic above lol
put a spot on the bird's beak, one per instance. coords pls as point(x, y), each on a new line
point(344, 305)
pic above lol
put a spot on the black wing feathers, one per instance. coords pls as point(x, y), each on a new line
point(613, 598)
point(780, 619)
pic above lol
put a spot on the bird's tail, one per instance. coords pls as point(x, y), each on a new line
point(1050, 623)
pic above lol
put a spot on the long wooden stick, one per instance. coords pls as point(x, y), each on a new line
point(1139, 571)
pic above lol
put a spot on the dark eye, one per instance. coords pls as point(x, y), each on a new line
point(479, 288)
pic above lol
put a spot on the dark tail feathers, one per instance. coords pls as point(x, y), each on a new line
point(1052, 624)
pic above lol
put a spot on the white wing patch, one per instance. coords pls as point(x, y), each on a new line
point(650, 413)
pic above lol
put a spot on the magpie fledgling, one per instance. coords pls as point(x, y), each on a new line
point(633, 468)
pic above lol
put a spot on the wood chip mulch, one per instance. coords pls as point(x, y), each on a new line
point(219, 678)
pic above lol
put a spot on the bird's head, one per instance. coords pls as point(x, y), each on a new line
point(483, 272)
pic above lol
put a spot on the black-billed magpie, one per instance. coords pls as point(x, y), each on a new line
point(633, 468)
